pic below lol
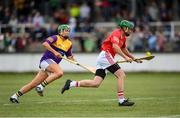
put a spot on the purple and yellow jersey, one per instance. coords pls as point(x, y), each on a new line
point(64, 47)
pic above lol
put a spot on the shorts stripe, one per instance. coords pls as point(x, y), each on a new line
point(108, 57)
point(45, 63)
point(49, 61)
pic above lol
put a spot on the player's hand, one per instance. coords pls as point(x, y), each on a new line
point(72, 58)
point(57, 54)
point(128, 59)
point(138, 61)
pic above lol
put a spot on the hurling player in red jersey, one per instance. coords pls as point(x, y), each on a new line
point(114, 44)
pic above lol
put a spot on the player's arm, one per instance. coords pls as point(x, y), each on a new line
point(47, 45)
point(69, 54)
point(118, 50)
point(126, 51)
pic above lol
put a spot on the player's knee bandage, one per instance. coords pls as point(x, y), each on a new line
point(101, 73)
point(113, 68)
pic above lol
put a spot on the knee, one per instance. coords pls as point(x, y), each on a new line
point(59, 74)
point(121, 75)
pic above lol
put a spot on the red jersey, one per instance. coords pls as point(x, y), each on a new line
point(107, 43)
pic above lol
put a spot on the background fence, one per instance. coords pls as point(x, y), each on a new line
point(29, 63)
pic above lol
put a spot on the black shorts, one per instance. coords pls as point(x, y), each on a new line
point(113, 68)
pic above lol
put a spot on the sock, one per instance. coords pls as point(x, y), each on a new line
point(18, 94)
point(40, 86)
point(121, 96)
point(44, 83)
point(74, 84)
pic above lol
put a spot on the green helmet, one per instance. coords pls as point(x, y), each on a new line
point(125, 23)
point(63, 27)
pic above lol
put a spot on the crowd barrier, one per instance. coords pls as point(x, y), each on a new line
point(17, 62)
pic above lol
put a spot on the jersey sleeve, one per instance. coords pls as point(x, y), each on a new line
point(51, 39)
point(69, 52)
point(115, 37)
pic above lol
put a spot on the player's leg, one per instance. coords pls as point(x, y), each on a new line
point(41, 76)
point(54, 71)
point(119, 73)
point(115, 69)
point(95, 83)
point(101, 64)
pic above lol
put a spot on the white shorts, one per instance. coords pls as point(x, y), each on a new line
point(104, 60)
point(45, 63)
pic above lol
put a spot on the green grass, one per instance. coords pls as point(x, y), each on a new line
point(155, 95)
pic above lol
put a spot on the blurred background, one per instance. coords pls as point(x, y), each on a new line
point(25, 24)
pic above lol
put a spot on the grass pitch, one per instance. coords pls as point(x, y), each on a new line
point(154, 94)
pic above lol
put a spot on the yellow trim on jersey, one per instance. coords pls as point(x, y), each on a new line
point(62, 44)
point(50, 39)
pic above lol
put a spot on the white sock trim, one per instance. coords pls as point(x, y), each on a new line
point(121, 100)
point(73, 84)
point(14, 96)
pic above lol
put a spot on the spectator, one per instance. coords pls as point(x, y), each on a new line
point(1, 14)
point(177, 41)
point(161, 41)
point(7, 16)
point(7, 41)
point(79, 16)
point(13, 22)
point(153, 11)
point(52, 30)
point(85, 11)
point(72, 24)
point(63, 17)
point(74, 10)
point(2, 43)
point(54, 4)
point(20, 44)
point(60, 16)
point(105, 4)
point(165, 13)
point(137, 40)
point(38, 21)
point(152, 41)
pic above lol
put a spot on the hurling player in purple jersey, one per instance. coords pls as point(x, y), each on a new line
point(56, 46)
